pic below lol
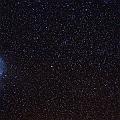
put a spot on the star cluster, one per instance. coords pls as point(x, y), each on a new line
point(62, 60)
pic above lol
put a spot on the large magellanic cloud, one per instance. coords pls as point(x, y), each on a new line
point(1, 67)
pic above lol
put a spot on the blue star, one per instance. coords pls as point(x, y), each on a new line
point(73, 9)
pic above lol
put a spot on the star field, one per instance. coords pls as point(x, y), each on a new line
point(62, 60)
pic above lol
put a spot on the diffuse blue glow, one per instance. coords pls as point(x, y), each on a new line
point(1, 67)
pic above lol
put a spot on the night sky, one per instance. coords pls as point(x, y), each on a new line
point(59, 60)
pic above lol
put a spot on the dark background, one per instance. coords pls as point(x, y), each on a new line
point(61, 58)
